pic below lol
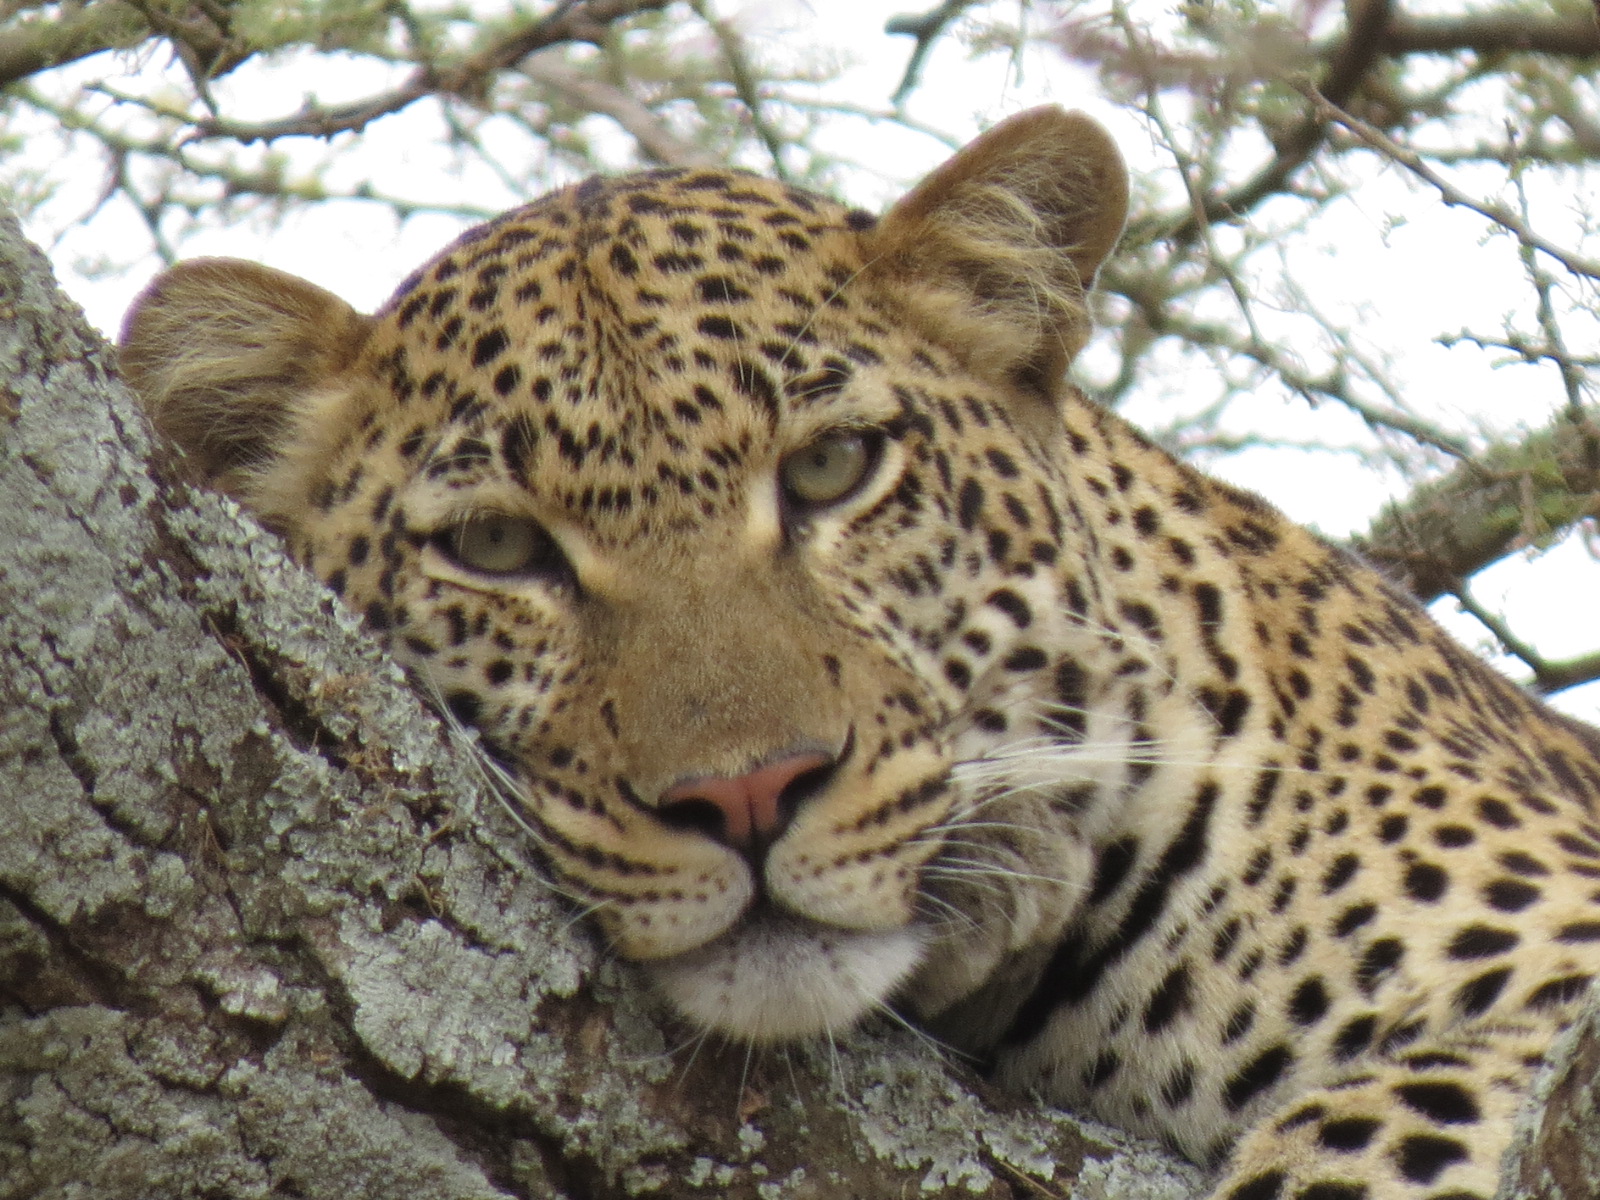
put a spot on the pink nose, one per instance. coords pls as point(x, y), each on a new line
point(746, 810)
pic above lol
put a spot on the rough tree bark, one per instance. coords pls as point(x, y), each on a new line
point(262, 934)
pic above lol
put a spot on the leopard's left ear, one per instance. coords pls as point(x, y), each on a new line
point(998, 247)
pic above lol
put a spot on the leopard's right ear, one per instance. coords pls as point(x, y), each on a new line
point(224, 353)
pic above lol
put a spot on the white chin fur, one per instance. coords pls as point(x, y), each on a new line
point(777, 978)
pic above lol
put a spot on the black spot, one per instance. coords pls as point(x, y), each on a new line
point(1071, 683)
point(719, 289)
point(499, 671)
point(1348, 1134)
point(623, 261)
point(1354, 1037)
point(1225, 940)
point(1423, 1155)
point(1301, 1116)
point(1353, 918)
point(465, 706)
point(1559, 991)
point(1240, 1023)
point(1340, 872)
point(1519, 863)
point(753, 382)
point(1579, 931)
point(1111, 867)
point(1433, 796)
point(1266, 1186)
point(1328, 1190)
point(719, 327)
point(1025, 658)
point(1002, 463)
point(1309, 1004)
point(1141, 615)
point(1256, 869)
point(1261, 795)
point(1426, 882)
point(489, 347)
point(1227, 709)
point(1441, 1101)
point(1101, 1070)
point(1012, 605)
point(1478, 994)
point(1498, 813)
point(969, 503)
point(1481, 941)
point(1293, 947)
point(1380, 958)
point(1179, 1087)
point(1168, 1000)
point(1256, 1076)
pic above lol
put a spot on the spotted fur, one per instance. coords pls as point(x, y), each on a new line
point(1180, 816)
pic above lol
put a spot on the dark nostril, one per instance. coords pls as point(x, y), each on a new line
point(747, 811)
point(694, 815)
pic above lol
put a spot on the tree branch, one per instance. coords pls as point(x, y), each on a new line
point(1516, 494)
point(1452, 195)
point(656, 141)
point(570, 21)
point(40, 43)
point(1509, 32)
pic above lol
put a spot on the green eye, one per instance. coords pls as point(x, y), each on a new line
point(830, 468)
point(495, 544)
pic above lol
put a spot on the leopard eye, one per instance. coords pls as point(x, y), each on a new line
point(496, 544)
point(830, 469)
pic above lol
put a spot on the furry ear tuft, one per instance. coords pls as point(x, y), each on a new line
point(998, 247)
point(222, 351)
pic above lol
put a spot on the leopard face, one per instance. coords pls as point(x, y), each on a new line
point(839, 654)
point(662, 486)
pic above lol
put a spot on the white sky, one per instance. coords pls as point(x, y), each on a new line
point(1409, 282)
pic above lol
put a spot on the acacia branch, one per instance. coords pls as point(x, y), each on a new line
point(40, 43)
point(584, 21)
point(1351, 59)
point(655, 140)
point(1549, 675)
point(1448, 192)
point(1516, 494)
point(1510, 32)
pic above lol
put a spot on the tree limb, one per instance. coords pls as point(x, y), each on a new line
point(1516, 494)
point(40, 43)
point(579, 21)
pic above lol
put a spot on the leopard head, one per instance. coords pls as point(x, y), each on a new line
point(725, 516)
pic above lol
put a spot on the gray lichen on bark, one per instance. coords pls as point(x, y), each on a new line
point(263, 932)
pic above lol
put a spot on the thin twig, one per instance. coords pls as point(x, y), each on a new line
point(1448, 192)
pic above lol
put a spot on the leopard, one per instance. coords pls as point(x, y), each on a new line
point(844, 658)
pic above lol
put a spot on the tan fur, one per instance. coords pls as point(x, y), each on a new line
point(999, 247)
point(221, 351)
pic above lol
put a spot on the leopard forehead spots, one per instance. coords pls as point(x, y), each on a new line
point(621, 349)
point(839, 654)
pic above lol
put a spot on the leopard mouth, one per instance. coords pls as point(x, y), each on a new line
point(779, 977)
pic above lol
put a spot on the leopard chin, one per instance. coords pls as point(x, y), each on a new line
point(776, 977)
